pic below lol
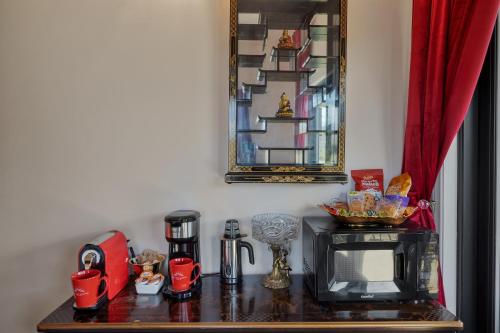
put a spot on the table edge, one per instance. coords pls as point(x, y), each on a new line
point(415, 325)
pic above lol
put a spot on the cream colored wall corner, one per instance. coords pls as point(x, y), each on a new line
point(113, 113)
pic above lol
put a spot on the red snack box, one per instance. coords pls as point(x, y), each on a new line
point(369, 179)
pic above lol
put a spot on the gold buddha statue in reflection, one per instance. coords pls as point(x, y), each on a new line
point(286, 41)
point(285, 110)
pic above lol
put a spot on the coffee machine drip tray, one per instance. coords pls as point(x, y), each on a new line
point(182, 295)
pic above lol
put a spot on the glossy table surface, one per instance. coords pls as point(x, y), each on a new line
point(248, 307)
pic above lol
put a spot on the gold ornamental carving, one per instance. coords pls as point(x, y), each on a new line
point(342, 75)
point(233, 12)
point(288, 169)
point(233, 36)
point(232, 153)
point(341, 154)
point(343, 19)
point(341, 158)
point(232, 85)
point(288, 179)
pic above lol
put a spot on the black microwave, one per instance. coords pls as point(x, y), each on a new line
point(369, 264)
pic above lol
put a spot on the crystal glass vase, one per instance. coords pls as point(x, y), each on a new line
point(276, 230)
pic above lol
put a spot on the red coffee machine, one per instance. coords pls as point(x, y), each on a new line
point(109, 254)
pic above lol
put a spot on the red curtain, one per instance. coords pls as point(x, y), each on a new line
point(449, 43)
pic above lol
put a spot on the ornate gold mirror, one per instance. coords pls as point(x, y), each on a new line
point(287, 91)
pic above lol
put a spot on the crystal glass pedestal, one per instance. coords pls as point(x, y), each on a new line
point(276, 230)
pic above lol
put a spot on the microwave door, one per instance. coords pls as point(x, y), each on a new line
point(368, 272)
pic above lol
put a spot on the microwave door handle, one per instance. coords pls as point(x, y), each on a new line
point(400, 266)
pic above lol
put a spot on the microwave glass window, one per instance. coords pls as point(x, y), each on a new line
point(368, 265)
point(363, 271)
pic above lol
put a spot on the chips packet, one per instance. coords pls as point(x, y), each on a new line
point(404, 201)
point(340, 201)
point(368, 179)
point(409, 211)
point(340, 205)
point(399, 185)
point(355, 200)
point(389, 206)
point(371, 201)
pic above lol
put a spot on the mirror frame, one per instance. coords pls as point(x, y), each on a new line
point(284, 173)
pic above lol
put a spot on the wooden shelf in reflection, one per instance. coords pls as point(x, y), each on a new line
point(251, 60)
point(285, 120)
point(252, 31)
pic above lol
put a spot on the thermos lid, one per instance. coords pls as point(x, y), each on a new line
point(182, 216)
point(232, 230)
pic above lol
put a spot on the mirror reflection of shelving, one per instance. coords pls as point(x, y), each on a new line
point(308, 74)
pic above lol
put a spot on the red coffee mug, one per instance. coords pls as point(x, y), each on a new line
point(180, 273)
point(86, 287)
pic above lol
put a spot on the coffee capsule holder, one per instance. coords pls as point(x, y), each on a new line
point(149, 288)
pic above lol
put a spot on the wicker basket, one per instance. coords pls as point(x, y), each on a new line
point(359, 220)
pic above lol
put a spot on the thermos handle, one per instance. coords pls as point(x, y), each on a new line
point(249, 247)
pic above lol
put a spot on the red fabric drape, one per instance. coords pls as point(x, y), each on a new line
point(449, 43)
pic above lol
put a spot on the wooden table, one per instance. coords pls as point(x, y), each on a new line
point(248, 308)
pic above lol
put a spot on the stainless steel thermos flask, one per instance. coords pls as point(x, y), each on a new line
point(230, 256)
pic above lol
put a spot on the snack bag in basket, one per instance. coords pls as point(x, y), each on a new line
point(371, 201)
point(399, 185)
point(389, 206)
point(403, 203)
point(369, 179)
point(355, 201)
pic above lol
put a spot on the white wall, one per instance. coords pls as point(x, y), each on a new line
point(445, 193)
point(113, 113)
